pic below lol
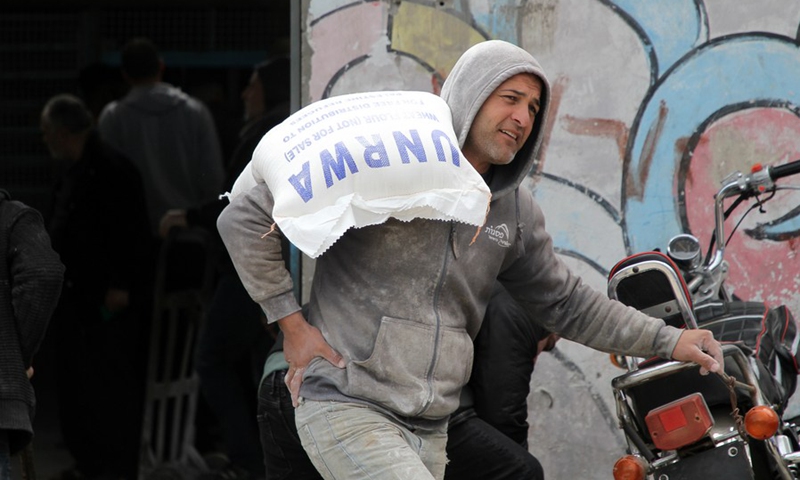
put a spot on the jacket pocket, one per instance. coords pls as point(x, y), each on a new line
point(407, 374)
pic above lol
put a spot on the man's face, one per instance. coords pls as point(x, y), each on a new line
point(253, 98)
point(504, 122)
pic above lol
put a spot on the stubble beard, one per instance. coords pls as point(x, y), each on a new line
point(497, 154)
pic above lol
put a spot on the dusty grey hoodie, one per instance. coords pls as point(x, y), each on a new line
point(402, 301)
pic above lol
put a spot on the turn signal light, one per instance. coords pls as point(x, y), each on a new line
point(618, 361)
point(761, 422)
point(630, 467)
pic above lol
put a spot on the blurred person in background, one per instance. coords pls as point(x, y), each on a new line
point(234, 343)
point(99, 228)
point(31, 275)
point(168, 135)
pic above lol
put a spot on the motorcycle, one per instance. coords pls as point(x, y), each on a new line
point(679, 424)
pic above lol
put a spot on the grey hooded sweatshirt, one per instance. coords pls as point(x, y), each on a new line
point(171, 138)
point(402, 301)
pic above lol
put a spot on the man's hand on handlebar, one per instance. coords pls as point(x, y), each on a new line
point(699, 346)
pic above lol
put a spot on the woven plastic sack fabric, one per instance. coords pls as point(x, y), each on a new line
point(356, 160)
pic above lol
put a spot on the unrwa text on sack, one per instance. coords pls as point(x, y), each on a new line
point(375, 154)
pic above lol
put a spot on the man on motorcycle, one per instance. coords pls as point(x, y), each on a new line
point(394, 307)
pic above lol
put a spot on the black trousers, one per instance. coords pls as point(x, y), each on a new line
point(232, 343)
point(5, 455)
point(100, 387)
point(476, 449)
point(284, 456)
point(505, 350)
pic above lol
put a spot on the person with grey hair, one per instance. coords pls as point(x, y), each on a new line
point(98, 225)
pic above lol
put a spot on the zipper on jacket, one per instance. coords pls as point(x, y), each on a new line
point(436, 295)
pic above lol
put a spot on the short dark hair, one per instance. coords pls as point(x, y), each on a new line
point(140, 59)
point(69, 112)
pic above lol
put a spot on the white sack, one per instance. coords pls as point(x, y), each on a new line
point(356, 160)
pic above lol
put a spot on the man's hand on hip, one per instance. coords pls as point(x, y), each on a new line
point(302, 342)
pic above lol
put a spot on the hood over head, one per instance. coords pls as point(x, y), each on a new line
point(479, 71)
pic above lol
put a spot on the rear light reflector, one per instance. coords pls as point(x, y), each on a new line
point(679, 423)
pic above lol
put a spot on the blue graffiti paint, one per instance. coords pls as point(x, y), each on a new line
point(733, 70)
point(668, 29)
point(500, 21)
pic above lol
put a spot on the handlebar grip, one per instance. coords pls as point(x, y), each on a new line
point(784, 170)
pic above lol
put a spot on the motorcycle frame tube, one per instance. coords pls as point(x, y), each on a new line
point(661, 370)
point(675, 281)
point(729, 190)
point(636, 443)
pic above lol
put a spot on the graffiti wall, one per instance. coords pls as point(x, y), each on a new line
point(654, 102)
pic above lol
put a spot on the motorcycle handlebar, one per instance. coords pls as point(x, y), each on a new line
point(744, 187)
point(784, 170)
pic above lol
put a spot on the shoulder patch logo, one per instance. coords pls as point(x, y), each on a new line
point(499, 234)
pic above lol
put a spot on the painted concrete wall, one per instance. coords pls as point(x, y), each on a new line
point(655, 101)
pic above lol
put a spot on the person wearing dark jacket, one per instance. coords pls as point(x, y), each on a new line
point(31, 275)
point(234, 335)
point(379, 362)
point(99, 227)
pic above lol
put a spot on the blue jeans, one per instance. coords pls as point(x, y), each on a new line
point(475, 449)
point(348, 441)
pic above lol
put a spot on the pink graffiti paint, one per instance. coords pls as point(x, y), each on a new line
point(341, 38)
point(764, 270)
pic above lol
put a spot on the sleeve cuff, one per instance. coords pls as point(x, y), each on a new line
point(667, 340)
point(280, 306)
